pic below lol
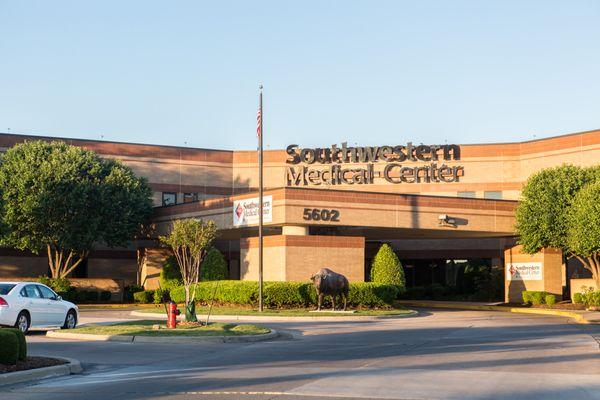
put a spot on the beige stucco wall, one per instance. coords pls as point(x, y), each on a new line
point(579, 285)
point(552, 276)
point(152, 265)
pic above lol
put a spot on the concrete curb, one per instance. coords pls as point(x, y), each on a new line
point(250, 318)
point(12, 378)
point(88, 336)
point(577, 317)
point(163, 339)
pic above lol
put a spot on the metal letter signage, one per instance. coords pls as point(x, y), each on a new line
point(526, 271)
point(396, 170)
point(245, 212)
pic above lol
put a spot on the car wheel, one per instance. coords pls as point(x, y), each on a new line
point(70, 320)
point(23, 322)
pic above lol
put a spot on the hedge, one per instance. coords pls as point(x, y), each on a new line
point(577, 298)
point(550, 299)
point(9, 347)
point(286, 294)
point(538, 297)
point(22, 342)
point(144, 296)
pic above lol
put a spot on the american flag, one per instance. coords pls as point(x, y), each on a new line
point(259, 121)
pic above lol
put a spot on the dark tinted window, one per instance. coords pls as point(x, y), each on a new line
point(31, 291)
point(5, 288)
point(46, 293)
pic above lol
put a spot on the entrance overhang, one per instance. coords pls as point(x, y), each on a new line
point(402, 215)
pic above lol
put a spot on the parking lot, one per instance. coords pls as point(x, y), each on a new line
point(437, 355)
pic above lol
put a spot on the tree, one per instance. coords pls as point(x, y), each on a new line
point(63, 199)
point(189, 239)
point(545, 200)
point(386, 268)
point(545, 215)
point(214, 266)
point(583, 234)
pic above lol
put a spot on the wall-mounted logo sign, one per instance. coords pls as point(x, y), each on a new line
point(393, 164)
point(527, 271)
point(245, 212)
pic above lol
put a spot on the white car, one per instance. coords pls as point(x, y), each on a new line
point(27, 305)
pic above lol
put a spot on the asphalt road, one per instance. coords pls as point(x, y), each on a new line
point(437, 355)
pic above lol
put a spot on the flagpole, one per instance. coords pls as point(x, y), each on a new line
point(260, 205)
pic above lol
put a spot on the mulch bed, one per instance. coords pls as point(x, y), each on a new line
point(31, 363)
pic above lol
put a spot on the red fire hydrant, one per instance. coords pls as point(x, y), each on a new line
point(172, 313)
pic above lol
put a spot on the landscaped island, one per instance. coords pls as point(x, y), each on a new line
point(145, 328)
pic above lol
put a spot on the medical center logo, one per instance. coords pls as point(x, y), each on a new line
point(245, 212)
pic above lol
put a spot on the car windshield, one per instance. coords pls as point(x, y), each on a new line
point(6, 287)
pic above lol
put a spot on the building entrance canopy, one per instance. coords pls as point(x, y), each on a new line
point(339, 208)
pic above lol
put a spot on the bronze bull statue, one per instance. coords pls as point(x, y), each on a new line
point(329, 283)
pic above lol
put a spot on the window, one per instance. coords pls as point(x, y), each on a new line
point(492, 195)
point(169, 198)
point(46, 293)
point(190, 197)
point(5, 288)
point(465, 194)
point(31, 291)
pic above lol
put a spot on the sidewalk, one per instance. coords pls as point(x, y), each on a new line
point(579, 316)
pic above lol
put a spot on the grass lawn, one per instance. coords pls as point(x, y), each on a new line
point(301, 312)
point(144, 328)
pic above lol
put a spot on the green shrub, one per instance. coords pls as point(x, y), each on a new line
point(537, 298)
point(22, 342)
point(386, 268)
point(92, 296)
point(370, 294)
point(591, 298)
point(129, 291)
point(436, 290)
point(161, 296)
point(577, 298)
point(414, 293)
point(105, 295)
point(234, 292)
point(214, 266)
point(534, 297)
point(59, 285)
point(170, 275)
point(9, 347)
point(144, 297)
point(550, 299)
point(286, 294)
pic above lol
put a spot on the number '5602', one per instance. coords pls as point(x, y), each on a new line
point(316, 214)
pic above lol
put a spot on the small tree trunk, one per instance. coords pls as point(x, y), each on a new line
point(187, 294)
point(592, 264)
point(61, 267)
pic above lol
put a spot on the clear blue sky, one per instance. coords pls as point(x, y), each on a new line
point(368, 72)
